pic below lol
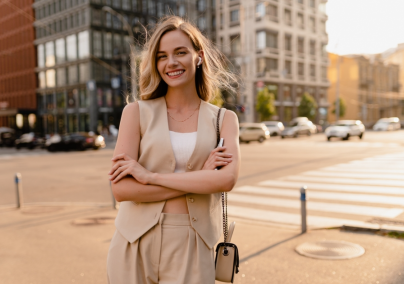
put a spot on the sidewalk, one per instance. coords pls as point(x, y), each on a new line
point(64, 245)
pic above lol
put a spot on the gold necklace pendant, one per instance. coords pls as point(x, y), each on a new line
point(187, 117)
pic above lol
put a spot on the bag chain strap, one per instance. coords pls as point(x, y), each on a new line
point(224, 194)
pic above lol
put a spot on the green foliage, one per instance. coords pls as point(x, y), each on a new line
point(217, 99)
point(342, 107)
point(265, 104)
point(308, 106)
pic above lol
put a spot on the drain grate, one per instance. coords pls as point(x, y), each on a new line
point(93, 221)
point(330, 250)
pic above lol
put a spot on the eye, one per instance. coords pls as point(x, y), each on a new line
point(181, 52)
point(161, 56)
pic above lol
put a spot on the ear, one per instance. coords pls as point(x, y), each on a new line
point(201, 55)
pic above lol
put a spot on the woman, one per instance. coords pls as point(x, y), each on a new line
point(163, 167)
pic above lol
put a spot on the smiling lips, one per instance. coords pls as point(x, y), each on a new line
point(175, 74)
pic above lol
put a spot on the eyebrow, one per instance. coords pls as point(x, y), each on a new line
point(161, 51)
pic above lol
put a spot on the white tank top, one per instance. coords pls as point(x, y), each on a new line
point(183, 145)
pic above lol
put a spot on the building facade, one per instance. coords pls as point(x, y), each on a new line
point(278, 44)
point(369, 88)
point(17, 66)
point(83, 56)
point(396, 56)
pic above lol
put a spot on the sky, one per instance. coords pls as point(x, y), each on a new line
point(364, 26)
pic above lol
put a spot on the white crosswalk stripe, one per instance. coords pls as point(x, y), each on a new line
point(350, 194)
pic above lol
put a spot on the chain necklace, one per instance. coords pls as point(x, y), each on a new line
point(187, 117)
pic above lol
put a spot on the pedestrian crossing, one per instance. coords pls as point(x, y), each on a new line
point(350, 194)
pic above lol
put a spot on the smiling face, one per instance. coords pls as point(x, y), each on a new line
point(177, 59)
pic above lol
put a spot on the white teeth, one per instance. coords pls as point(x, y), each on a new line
point(175, 73)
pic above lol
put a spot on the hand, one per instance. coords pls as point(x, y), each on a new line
point(217, 159)
point(124, 166)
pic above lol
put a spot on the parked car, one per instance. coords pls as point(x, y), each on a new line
point(299, 127)
point(7, 137)
point(387, 124)
point(345, 129)
point(30, 141)
point(275, 127)
point(76, 141)
point(253, 132)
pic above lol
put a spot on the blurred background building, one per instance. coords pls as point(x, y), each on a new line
point(83, 56)
point(17, 65)
point(367, 86)
point(279, 45)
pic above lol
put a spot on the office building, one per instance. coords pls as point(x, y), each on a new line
point(83, 57)
point(17, 66)
point(278, 44)
point(368, 87)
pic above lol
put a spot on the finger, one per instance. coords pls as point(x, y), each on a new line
point(118, 157)
point(120, 176)
point(221, 163)
point(117, 165)
point(221, 154)
point(118, 171)
point(220, 159)
point(219, 149)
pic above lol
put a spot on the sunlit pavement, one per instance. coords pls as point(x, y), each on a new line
point(54, 248)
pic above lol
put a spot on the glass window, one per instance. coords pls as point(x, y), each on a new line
point(50, 54)
point(84, 72)
point(97, 17)
point(126, 44)
point(50, 78)
point(116, 22)
point(312, 3)
point(61, 76)
point(73, 77)
point(288, 42)
point(272, 40)
point(201, 5)
point(288, 67)
point(107, 45)
point(60, 50)
point(117, 49)
point(312, 70)
point(41, 56)
point(42, 80)
point(116, 4)
point(152, 7)
point(99, 97)
point(72, 122)
point(50, 104)
point(202, 23)
point(234, 16)
point(300, 45)
point(300, 20)
point(288, 17)
point(181, 10)
point(300, 69)
point(108, 97)
point(125, 4)
point(71, 46)
point(272, 10)
point(84, 122)
point(72, 98)
point(312, 24)
point(108, 20)
point(135, 5)
point(312, 47)
point(235, 44)
point(160, 10)
point(60, 100)
point(97, 44)
point(260, 10)
point(261, 39)
point(83, 98)
point(84, 44)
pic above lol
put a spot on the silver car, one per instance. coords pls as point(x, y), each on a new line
point(275, 127)
point(253, 132)
point(345, 129)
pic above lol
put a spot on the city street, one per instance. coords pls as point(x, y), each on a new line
point(68, 220)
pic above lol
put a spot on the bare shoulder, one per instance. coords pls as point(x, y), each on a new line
point(230, 119)
point(132, 108)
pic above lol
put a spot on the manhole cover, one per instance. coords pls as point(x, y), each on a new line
point(93, 221)
point(40, 210)
point(330, 250)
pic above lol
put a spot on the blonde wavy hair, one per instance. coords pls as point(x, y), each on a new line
point(213, 74)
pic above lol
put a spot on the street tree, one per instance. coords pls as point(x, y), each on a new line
point(308, 106)
point(342, 107)
point(265, 104)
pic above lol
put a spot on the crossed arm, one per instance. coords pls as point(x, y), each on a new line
point(132, 182)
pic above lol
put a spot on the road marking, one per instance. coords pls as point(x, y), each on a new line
point(353, 175)
point(318, 206)
point(295, 193)
point(350, 181)
point(294, 219)
point(335, 187)
point(337, 168)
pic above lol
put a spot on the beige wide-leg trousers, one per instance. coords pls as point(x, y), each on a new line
point(169, 253)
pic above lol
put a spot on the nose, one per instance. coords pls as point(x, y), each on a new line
point(172, 61)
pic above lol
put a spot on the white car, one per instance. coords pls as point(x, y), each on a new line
point(253, 132)
point(275, 127)
point(387, 124)
point(345, 129)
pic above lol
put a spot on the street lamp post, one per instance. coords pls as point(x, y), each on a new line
point(132, 47)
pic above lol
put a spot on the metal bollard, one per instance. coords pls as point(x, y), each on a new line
point(18, 187)
point(113, 197)
point(303, 208)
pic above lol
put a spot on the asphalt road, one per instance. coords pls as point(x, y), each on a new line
point(270, 177)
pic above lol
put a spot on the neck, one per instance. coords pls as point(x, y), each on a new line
point(184, 97)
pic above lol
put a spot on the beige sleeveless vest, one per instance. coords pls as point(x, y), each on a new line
point(156, 155)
